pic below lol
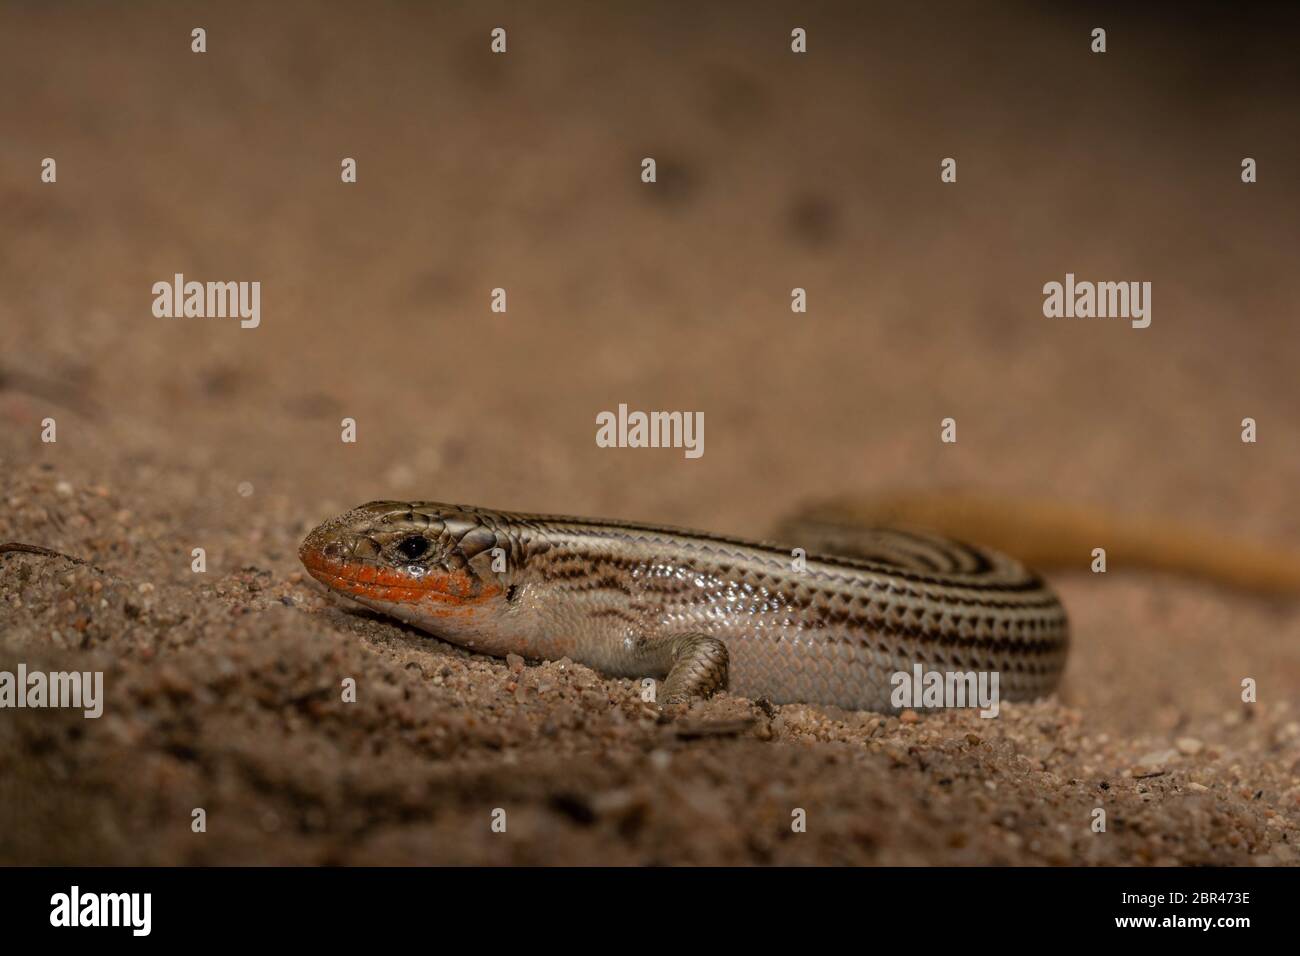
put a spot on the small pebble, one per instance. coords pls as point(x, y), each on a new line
point(1157, 758)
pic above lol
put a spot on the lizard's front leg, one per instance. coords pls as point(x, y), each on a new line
point(695, 664)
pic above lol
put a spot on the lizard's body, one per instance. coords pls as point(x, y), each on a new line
point(699, 610)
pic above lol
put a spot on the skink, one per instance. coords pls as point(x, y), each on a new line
point(699, 611)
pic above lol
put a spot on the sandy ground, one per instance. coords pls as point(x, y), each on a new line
point(521, 171)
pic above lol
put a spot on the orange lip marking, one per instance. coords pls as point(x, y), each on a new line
point(441, 593)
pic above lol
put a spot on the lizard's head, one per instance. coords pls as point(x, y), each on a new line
point(428, 564)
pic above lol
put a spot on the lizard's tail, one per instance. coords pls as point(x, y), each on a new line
point(1047, 535)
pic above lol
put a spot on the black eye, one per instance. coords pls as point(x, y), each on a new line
point(413, 547)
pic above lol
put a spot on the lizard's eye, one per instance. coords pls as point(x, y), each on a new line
point(413, 547)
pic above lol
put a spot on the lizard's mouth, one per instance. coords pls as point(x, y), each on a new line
point(374, 582)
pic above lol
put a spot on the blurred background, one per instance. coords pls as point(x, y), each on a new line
point(776, 170)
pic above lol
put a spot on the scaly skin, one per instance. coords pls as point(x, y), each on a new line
point(698, 610)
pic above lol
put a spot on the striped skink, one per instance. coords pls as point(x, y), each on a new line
point(825, 620)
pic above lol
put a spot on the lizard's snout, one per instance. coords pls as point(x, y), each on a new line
point(321, 554)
